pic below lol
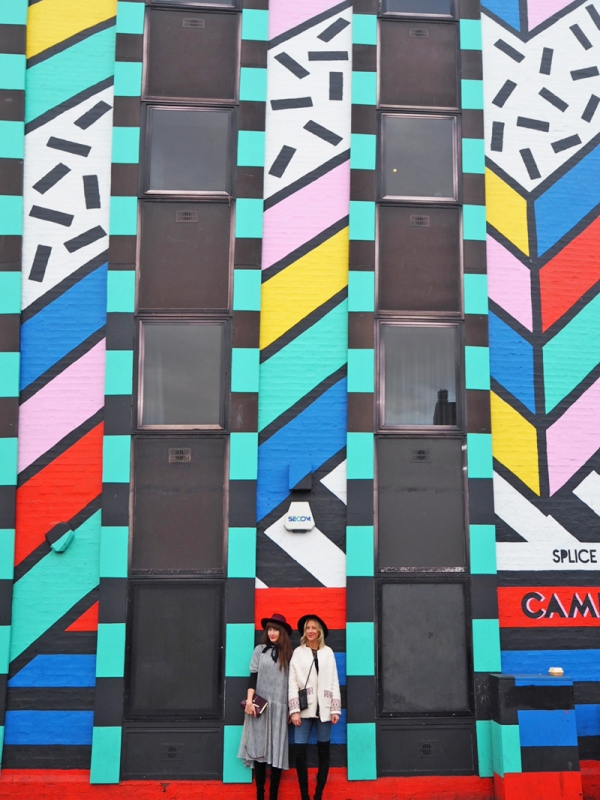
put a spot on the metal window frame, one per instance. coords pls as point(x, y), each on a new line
point(234, 5)
point(404, 14)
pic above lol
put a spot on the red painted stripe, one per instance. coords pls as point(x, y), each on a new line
point(58, 492)
point(546, 785)
point(329, 604)
point(590, 779)
point(548, 606)
point(88, 621)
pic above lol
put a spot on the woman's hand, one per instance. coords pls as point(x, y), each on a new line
point(296, 719)
point(249, 708)
point(335, 718)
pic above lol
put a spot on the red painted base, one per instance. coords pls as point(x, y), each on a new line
point(538, 785)
point(590, 779)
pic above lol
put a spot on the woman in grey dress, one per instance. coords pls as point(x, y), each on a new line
point(265, 736)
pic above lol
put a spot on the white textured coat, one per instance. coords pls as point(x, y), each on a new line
point(323, 686)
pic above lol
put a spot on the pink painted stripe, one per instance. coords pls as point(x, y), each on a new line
point(574, 438)
point(309, 211)
point(286, 14)
point(539, 11)
point(61, 406)
point(509, 283)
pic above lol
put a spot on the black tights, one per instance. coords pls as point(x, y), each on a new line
point(260, 774)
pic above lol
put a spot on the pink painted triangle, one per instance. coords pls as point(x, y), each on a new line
point(541, 10)
point(287, 14)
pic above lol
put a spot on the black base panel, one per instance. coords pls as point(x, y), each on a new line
point(550, 759)
point(433, 748)
point(172, 753)
point(589, 748)
point(338, 756)
point(46, 756)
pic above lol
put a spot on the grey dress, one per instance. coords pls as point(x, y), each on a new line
point(265, 738)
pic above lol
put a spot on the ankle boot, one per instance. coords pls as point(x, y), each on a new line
point(275, 778)
point(260, 776)
point(302, 770)
point(324, 751)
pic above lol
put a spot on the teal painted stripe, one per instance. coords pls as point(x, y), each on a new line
point(486, 645)
point(361, 370)
point(291, 373)
point(57, 79)
point(116, 459)
point(123, 216)
point(128, 78)
point(244, 369)
point(364, 29)
point(360, 648)
point(248, 218)
point(118, 378)
point(13, 12)
point(11, 212)
point(5, 632)
point(12, 71)
point(572, 354)
point(126, 141)
point(106, 754)
point(243, 456)
point(9, 374)
point(474, 223)
point(470, 34)
point(114, 551)
point(362, 751)
point(10, 292)
point(7, 553)
point(253, 84)
point(255, 25)
point(483, 549)
point(361, 291)
point(120, 291)
point(506, 748)
point(362, 220)
point(8, 462)
point(473, 156)
point(12, 139)
point(130, 17)
point(251, 148)
point(363, 151)
point(239, 644)
point(360, 455)
point(241, 553)
point(360, 551)
point(476, 293)
point(364, 88)
point(472, 94)
point(246, 289)
point(483, 730)
point(52, 587)
point(110, 650)
point(479, 455)
point(234, 770)
point(477, 367)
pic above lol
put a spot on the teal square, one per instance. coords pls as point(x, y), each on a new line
point(253, 84)
point(114, 551)
point(119, 372)
point(243, 456)
point(360, 551)
point(12, 139)
point(362, 751)
point(479, 455)
point(126, 141)
point(255, 25)
point(234, 770)
point(7, 553)
point(9, 374)
point(130, 17)
point(120, 291)
point(363, 151)
point(10, 292)
point(486, 645)
point(4, 648)
point(248, 218)
point(13, 12)
point(506, 748)
point(110, 650)
point(362, 220)
point(470, 34)
point(477, 367)
point(360, 648)
point(244, 369)
point(105, 766)
point(116, 459)
point(476, 293)
point(239, 644)
point(474, 223)
point(251, 149)
point(361, 370)
point(123, 216)
point(364, 29)
point(473, 156)
point(12, 70)
point(246, 289)
point(361, 291)
point(483, 731)
point(360, 455)
point(482, 540)
point(11, 209)
point(472, 95)
point(128, 78)
point(241, 553)
point(8, 461)
point(364, 88)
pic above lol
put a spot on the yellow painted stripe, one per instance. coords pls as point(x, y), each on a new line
point(302, 287)
point(50, 22)
point(514, 443)
point(506, 211)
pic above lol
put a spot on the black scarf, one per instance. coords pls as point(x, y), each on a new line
point(273, 649)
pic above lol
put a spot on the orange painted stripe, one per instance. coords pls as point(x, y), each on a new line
point(58, 492)
point(329, 604)
point(548, 606)
point(88, 621)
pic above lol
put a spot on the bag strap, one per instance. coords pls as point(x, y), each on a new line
point(309, 671)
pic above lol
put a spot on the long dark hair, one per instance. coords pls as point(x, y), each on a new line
point(283, 644)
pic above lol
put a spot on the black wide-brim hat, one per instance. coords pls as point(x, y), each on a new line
point(279, 619)
point(303, 620)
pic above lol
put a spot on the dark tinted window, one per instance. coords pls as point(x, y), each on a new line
point(418, 157)
point(178, 513)
point(192, 54)
point(419, 259)
point(438, 8)
point(423, 648)
point(182, 373)
point(184, 259)
point(421, 519)
point(419, 374)
point(188, 150)
point(175, 638)
point(418, 64)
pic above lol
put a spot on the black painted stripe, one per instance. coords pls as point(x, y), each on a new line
point(93, 115)
point(581, 74)
point(509, 51)
point(80, 36)
point(533, 124)
point(328, 55)
point(290, 63)
point(323, 133)
point(310, 23)
point(72, 698)
point(323, 169)
point(40, 262)
point(530, 165)
point(497, 142)
point(91, 191)
point(291, 102)
point(504, 93)
point(85, 239)
point(304, 249)
point(76, 148)
point(592, 11)
point(51, 178)
point(78, 98)
point(581, 37)
point(566, 144)
point(282, 161)
point(336, 27)
point(546, 62)
point(336, 85)
point(590, 108)
point(50, 215)
point(553, 99)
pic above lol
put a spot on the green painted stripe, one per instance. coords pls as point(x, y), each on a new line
point(476, 293)
point(363, 151)
point(9, 374)
point(477, 367)
point(126, 141)
point(116, 459)
point(8, 461)
point(243, 456)
point(506, 748)
point(253, 84)
point(248, 218)
point(360, 648)
point(361, 370)
point(244, 369)
point(52, 587)
point(362, 220)
point(361, 291)
point(241, 553)
point(130, 17)
point(7, 553)
point(106, 754)
point(5, 632)
point(123, 216)
point(474, 223)
point(360, 456)
point(483, 730)
point(12, 71)
point(486, 645)
point(11, 213)
point(364, 29)
point(483, 549)
point(470, 34)
point(255, 25)
point(110, 650)
point(128, 78)
point(239, 644)
point(234, 770)
point(304, 363)
point(59, 78)
point(473, 156)
point(364, 88)
point(246, 289)
point(251, 149)
point(479, 455)
point(10, 292)
point(360, 551)
point(13, 12)
point(120, 291)
point(118, 378)
point(114, 551)
point(362, 751)
point(472, 94)
point(12, 139)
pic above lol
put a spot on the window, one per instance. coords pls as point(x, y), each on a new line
point(182, 374)
point(202, 3)
point(175, 649)
point(188, 150)
point(184, 256)
point(418, 64)
point(423, 648)
point(178, 518)
point(434, 8)
point(419, 259)
point(421, 514)
point(419, 157)
point(419, 374)
point(192, 54)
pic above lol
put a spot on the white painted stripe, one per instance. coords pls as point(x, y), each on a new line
point(335, 481)
point(589, 491)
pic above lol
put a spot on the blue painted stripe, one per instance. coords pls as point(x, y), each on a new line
point(46, 337)
point(542, 680)
point(547, 728)
point(57, 670)
point(588, 719)
point(319, 432)
point(580, 665)
point(511, 361)
point(340, 662)
point(508, 10)
point(48, 727)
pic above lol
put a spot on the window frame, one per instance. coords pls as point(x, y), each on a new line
point(235, 5)
point(415, 14)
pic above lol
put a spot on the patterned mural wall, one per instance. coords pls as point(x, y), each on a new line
point(542, 92)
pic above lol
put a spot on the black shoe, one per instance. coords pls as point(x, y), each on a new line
point(274, 787)
point(260, 776)
point(302, 770)
point(324, 750)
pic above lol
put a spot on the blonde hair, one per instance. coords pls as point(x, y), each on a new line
point(321, 639)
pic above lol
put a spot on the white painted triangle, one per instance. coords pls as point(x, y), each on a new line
point(589, 491)
point(335, 481)
point(260, 585)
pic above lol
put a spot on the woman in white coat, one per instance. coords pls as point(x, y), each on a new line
point(313, 668)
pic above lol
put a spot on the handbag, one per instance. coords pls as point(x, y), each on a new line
point(302, 693)
point(258, 702)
